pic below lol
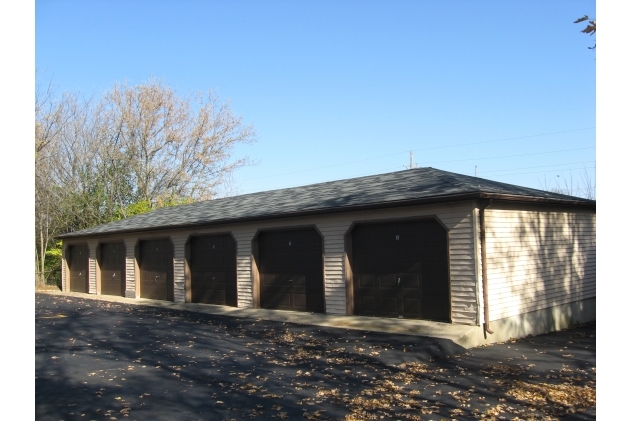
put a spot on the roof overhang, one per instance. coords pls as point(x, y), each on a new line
point(588, 204)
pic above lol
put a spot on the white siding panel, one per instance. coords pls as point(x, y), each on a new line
point(333, 232)
point(179, 267)
point(537, 260)
point(130, 263)
point(92, 266)
point(243, 237)
point(64, 266)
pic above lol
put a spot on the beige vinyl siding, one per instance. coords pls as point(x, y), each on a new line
point(244, 237)
point(335, 290)
point(92, 266)
point(538, 259)
point(64, 268)
point(130, 263)
point(333, 231)
point(179, 263)
point(462, 264)
point(457, 217)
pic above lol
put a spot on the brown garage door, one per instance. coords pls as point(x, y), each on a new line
point(78, 268)
point(213, 265)
point(113, 269)
point(401, 269)
point(156, 269)
point(290, 268)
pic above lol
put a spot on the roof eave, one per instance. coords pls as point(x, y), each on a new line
point(547, 200)
point(351, 208)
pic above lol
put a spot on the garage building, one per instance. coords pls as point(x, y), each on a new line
point(416, 244)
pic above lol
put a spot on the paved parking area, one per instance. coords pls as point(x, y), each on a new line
point(116, 361)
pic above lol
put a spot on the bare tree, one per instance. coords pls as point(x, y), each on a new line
point(584, 186)
point(136, 149)
point(52, 116)
point(176, 147)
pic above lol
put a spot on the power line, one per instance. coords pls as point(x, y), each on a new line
point(539, 166)
point(502, 140)
point(475, 159)
point(512, 156)
point(397, 168)
point(548, 171)
point(407, 151)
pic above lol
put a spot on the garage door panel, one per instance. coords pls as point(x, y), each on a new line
point(208, 280)
point(404, 257)
point(389, 306)
point(148, 286)
point(156, 269)
point(410, 280)
point(290, 266)
point(300, 300)
point(282, 279)
point(112, 265)
point(299, 280)
point(162, 289)
point(203, 279)
point(211, 262)
point(307, 257)
point(411, 306)
point(268, 280)
point(277, 300)
point(435, 309)
point(366, 280)
point(112, 282)
point(213, 269)
point(407, 257)
point(78, 268)
point(216, 295)
point(209, 296)
point(388, 281)
point(368, 304)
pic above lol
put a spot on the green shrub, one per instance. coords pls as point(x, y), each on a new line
point(52, 265)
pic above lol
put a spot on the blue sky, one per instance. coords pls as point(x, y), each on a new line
point(344, 89)
point(352, 87)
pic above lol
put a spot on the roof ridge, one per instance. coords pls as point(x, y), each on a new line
point(395, 188)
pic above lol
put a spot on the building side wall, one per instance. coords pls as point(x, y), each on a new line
point(464, 304)
point(457, 218)
point(92, 264)
point(537, 259)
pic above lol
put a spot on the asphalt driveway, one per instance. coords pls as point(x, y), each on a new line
point(99, 360)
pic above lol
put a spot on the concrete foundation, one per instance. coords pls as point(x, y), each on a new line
point(467, 336)
point(533, 323)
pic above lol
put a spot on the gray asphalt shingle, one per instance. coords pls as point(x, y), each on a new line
point(396, 188)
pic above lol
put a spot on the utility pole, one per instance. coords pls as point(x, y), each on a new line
point(412, 164)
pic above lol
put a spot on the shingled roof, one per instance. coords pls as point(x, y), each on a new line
point(407, 187)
